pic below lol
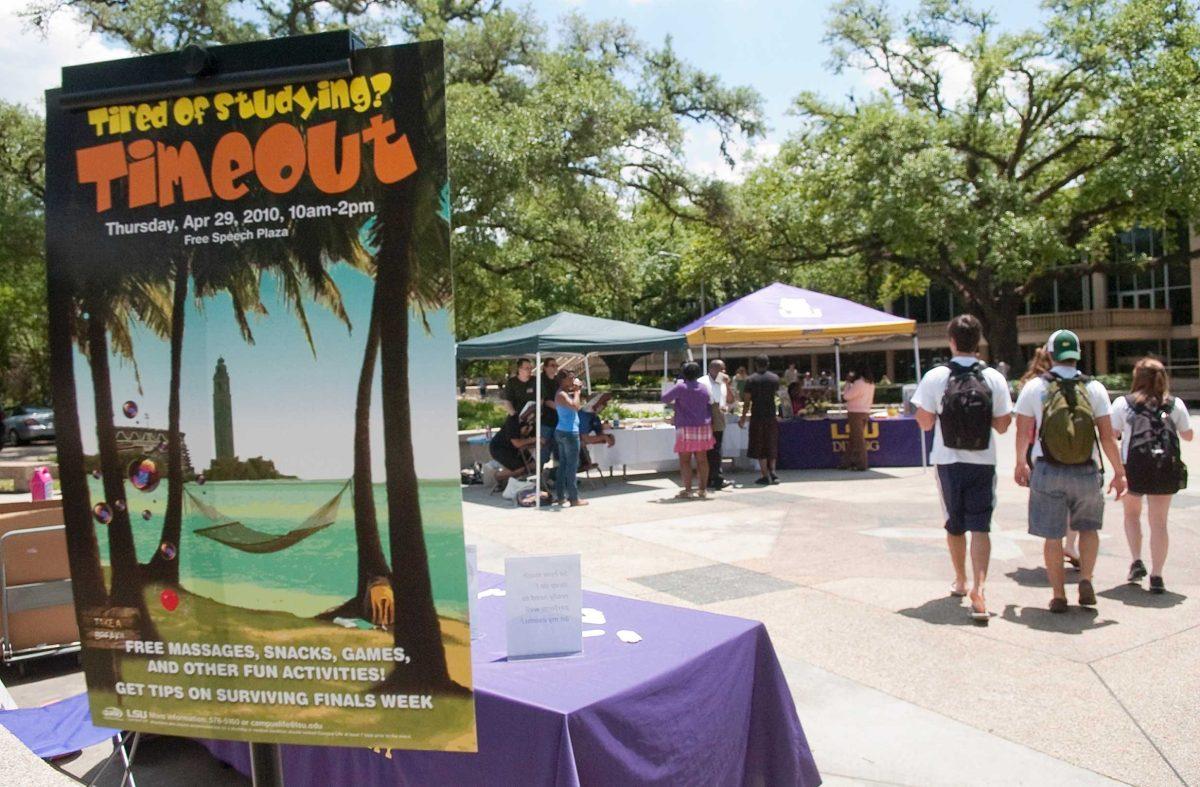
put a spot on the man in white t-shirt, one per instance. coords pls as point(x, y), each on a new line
point(720, 397)
point(1066, 495)
point(966, 468)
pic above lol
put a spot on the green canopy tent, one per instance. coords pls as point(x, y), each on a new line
point(567, 333)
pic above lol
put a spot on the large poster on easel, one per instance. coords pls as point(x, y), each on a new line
point(252, 350)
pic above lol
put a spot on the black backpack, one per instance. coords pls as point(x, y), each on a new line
point(966, 416)
point(1152, 462)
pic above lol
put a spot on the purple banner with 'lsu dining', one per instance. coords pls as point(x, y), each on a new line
point(814, 444)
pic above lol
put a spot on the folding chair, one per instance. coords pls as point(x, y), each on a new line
point(65, 727)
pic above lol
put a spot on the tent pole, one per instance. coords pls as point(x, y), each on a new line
point(837, 368)
point(917, 361)
point(704, 356)
point(587, 374)
point(537, 445)
point(664, 365)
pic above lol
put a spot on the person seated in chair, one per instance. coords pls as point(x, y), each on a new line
point(591, 431)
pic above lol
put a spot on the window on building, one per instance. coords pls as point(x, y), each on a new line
point(1184, 357)
point(1158, 287)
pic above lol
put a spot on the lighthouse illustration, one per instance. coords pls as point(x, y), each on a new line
point(222, 412)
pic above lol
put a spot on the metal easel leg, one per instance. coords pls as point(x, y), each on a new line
point(119, 740)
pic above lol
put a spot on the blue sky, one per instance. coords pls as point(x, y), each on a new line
point(775, 46)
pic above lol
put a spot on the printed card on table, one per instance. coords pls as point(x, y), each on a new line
point(543, 605)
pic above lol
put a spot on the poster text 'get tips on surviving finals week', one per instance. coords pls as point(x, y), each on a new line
point(257, 446)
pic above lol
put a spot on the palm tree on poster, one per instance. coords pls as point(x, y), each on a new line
point(107, 312)
point(413, 268)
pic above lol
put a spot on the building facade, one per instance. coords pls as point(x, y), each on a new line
point(1118, 317)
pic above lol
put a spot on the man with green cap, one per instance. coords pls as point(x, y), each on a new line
point(1069, 414)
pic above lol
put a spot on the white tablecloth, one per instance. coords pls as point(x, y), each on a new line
point(653, 448)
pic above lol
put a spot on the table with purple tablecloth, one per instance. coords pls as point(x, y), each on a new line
point(816, 443)
point(700, 700)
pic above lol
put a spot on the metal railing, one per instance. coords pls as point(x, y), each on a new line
point(1095, 319)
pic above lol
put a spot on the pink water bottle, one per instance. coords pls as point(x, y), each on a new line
point(41, 487)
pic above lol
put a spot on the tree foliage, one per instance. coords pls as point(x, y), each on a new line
point(24, 367)
point(1058, 139)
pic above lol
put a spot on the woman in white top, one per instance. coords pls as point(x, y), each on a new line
point(1151, 397)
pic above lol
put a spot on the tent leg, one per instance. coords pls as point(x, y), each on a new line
point(587, 374)
point(837, 368)
point(917, 366)
point(537, 445)
point(704, 356)
point(665, 365)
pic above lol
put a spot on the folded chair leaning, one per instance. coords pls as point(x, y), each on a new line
point(37, 612)
point(65, 727)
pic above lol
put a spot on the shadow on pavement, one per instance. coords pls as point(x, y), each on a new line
point(1135, 596)
point(167, 761)
point(946, 611)
point(1036, 577)
point(1075, 620)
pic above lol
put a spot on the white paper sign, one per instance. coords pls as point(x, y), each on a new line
point(543, 603)
point(472, 589)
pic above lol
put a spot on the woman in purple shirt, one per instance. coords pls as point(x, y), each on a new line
point(693, 427)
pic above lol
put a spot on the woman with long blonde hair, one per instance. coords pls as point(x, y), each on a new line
point(1151, 423)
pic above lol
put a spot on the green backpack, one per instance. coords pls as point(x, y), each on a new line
point(1068, 424)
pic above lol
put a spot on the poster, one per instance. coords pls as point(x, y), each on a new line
point(252, 354)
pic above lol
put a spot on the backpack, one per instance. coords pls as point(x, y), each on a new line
point(966, 416)
point(1152, 460)
point(1068, 433)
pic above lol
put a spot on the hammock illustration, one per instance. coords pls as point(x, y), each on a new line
point(234, 534)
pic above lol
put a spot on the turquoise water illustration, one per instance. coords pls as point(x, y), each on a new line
point(315, 574)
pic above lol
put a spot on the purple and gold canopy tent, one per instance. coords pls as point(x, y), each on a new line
point(780, 315)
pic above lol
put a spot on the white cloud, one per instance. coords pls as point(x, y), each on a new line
point(702, 152)
point(31, 63)
point(957, 75)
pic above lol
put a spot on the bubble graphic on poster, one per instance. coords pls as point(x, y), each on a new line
point(119, 505)
point(130, 409)
point(167, 550)
point(169, 600)
point(144, 474)
point(102, 513)
point(146, 515)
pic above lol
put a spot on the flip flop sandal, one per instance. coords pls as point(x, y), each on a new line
point(684, 494)
point(956, 593)
point(1074, 561)
point(981, 617)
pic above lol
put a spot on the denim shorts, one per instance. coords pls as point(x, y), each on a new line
point(1062, 496)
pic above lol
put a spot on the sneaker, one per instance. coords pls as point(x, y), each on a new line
point(1087, 594)
point(774, 478)
point(1157, 586)
point(764, 481)
point(1137, 571)
point(1058, 605)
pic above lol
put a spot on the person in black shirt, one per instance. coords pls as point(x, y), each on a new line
point(549, 391)
point(510, 446)
point(759, 398)
point(519, 388)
